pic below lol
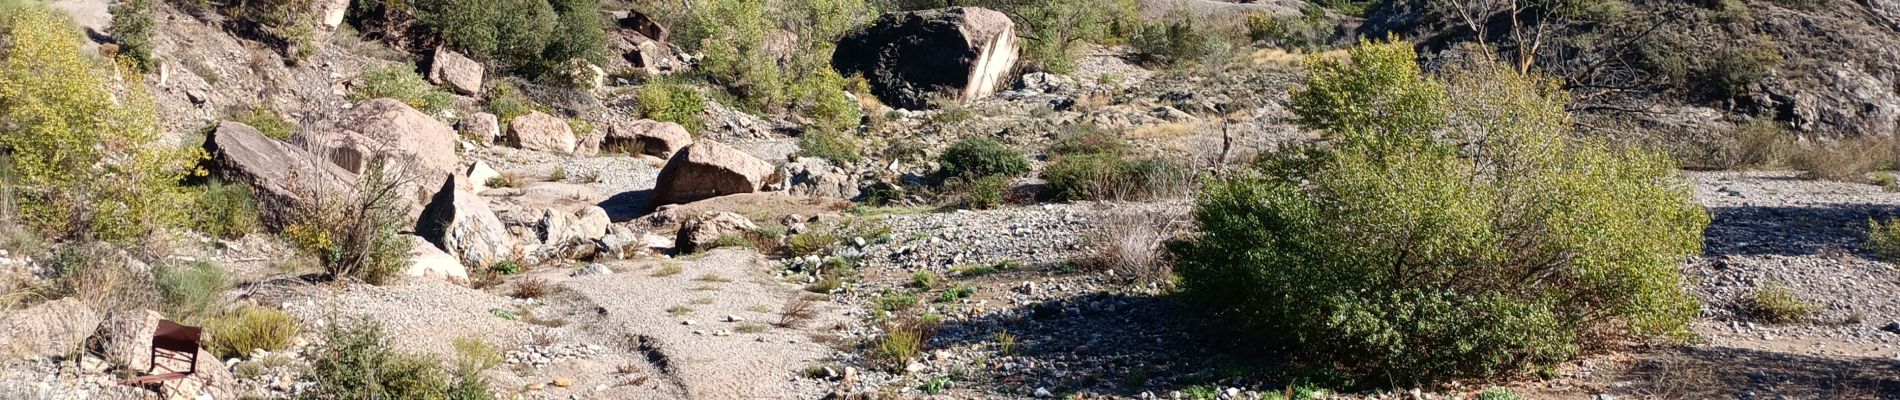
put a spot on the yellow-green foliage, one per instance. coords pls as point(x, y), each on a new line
point(191, 291)
point(238, 332)
point(507, 102)
point(1775, 303)
point(1394, 253)
point(267, 121)
point(132, 25)
point(771, 70)
point(224, 210)
point(400, 82)
point(1883, 239)
point(673, 102)
point(734, 39)
point(83, 137)
point(356, 362)
point(1055, 30)
point(529, 36)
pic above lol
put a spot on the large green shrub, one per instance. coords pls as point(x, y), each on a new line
point(356, 363)
point(225, 211)
point(1391, 254)
point(978, 157)
point(673, 102)
point(83, 138)
point(527, 36)
point(400, 82)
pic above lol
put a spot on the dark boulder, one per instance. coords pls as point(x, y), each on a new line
point(909, 57)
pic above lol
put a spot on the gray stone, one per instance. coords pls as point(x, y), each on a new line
point(457, 221)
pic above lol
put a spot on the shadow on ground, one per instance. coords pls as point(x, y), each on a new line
point(1789, 231)
point(626, 205)
point(1725, 372)
point(1103, 343)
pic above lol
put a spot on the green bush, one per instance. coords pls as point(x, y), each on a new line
point(191, 291)
point(1389, 254)
point(673, 102)
point(400, 82)
point(838, 148)
point(1737, 69)
point(132, 25)
point(983, 193)
point(1093, 164)
point(357, 234)
point(1175, 42)
point(57, 108)
point(1883, 240)
point(356, 363)
point(534, 37)
point(288, 24)
point(267, 121)
point(225, 211)
point(238, 332)
point(1055, 31)
point(736, 42)
point(507, 102)
point(979, 157)
point(1775, 303)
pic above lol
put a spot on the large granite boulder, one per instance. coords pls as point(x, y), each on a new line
point(699, 233)
point(461, 74)
point(481, 127)
point(52, 329)
point(709, 169)
point(429, 262)
point(390, 129)
point(911, 56)
point(459, 222)
point(539, 131)
point(812, 176)
point(655, 138)
point(286, 177)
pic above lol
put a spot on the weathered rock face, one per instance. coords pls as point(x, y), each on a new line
point(811, 176)
point(655, 138)
point(333, 12)
point(708, 169)
point(539, 131)
point(51, 329)
point(644, 25)
point(911, 56)
point(560, 229)
point(457, 221)
point(458, 72)
point(388, 128)
point(285, 176)
point(478, 175)
point(483, 127)
point(696, 233)
point(429, 262)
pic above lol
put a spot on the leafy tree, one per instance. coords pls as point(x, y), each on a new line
point(83, 137)
point(1442, 230)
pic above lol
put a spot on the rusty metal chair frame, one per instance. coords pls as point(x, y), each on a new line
point(170, 341)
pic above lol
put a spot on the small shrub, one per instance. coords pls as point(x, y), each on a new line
point(833, 275)
point(751, 327)
point(713, 278)
point(191, 291)
point(1176, 42)
point(959, 292)
point(506, 267)
point(810, 242)
point(506, 180)
point(1111, 176)
point(1133, 246)
point(401, 82)
point(669, 269)
point(1757, 144)
point(673, 102)
point(923, 280)
point(559, 174)
point(1737, 69)
point(1886, 180)
point(225, 211)
point(903, 340)
point(356, 363)
point(678, 310)
point(1498, 393)
point(1883, 239)
point(237, 333)
point(983, 193)
point(1005, 342)
point(356, 233)
point(979, 157)
point(838, 148)
point(472, 353)
point(267, 121)
point(1775, 303)
point(893, 303)
point(530, 288)
point(132, 25)
point(1845, 160)
point(507, 102)
point(797, 311)
point(727, 240)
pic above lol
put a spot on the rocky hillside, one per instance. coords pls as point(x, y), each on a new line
point(847, 199)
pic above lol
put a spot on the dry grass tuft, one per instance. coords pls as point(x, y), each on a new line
point(796, 312)
point(530, 288)
point(1131, 245)
point(1845, 160)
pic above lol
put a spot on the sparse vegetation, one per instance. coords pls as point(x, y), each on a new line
point(400, 82)
point(1775, 303)
point(1363, 263)
point(225, 211)
point(796, 312)
point(1176, 41)
point(751, 327)
point(356, 363)
point(673, 102)
point(668, 269)
point(958, 292)
point(1133, 246)
point(356, 233)
point(679, 310)
point(506, 180)
point(980, 157)
point(1847, 159)
point(923, 280)
point(238, 332)
point(266, 121)
point(838, 148)
point(903, 340)
point(530, 288)
point(1883, 239)
point(191, 291)
point(1094, 164)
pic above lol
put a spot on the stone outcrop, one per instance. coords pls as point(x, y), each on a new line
point(479, 174)
point(128, 343)
point(811, 176)
point(697, 233)
point(911, 56)
point(285, 176)
point(481, 127)
point(460, 223)
point(424, 146)
point(460, 73)
point(708, 169)
point(654, 138)
point(429, 262)
point(52, 329)
point(539, 131)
